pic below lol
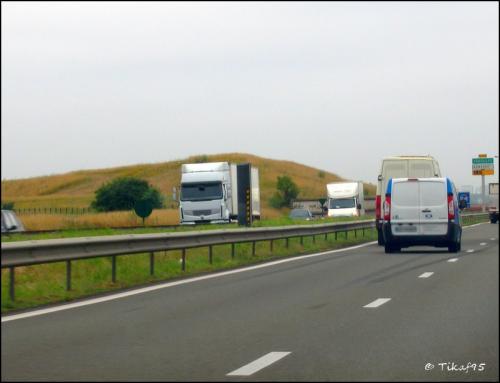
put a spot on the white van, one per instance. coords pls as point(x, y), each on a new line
point(400, 167)
point(421, 211)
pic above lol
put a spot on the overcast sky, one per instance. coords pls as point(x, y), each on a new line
point(336, 86)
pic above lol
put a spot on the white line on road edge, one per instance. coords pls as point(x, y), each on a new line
point(470, 250)
point(377, 303)
point(426, 275)
point(452, 259)
point(259, 364)
point(483, 243)
point(170, 284)
point(477, 224)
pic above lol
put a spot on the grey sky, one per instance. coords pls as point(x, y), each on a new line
point(333, 85)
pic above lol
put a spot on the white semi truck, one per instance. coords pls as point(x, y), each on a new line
point(209, 193)
point(345, 199)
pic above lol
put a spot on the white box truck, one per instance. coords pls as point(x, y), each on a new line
point(209, 193)
point(345, 199)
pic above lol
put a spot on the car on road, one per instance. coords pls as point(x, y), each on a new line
point(10, 222)
point(301, 214)
point(421, 212)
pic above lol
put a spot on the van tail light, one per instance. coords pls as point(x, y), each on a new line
point(387, 208)
point(378, 207)
point(451, 208)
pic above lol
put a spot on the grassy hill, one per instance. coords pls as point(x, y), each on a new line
point(76, 189)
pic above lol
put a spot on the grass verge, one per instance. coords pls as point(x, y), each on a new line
point(46, 283)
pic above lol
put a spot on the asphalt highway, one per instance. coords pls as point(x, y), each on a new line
point(354, 315)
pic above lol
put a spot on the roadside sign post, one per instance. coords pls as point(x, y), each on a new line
point(483, 166)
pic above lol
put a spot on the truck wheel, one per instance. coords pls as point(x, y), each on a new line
point(380, 237)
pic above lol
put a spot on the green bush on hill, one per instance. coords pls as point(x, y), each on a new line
point(287, 191)
point(123, 193)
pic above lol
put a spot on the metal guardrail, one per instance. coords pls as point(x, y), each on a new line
point(26, 253)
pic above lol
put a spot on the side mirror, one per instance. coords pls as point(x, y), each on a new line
point(462, 204)
point(380, 177)
point(358, 206)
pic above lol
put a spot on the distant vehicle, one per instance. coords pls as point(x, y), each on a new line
point(209, 193)
point(493, 209)
point(301, 214)
point(421, 211)
point(400, 167)
point(11, 223)
point(345, 199)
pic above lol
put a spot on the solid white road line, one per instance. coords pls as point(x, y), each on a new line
point(452, 259)
point(426, 275)
point(483, 243)
point(259, 364)
point(377, 303)
point(170, 284)
point(470, 250)
point(477, 224)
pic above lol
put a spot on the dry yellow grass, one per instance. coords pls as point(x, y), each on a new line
point(76, 189)
point(98, 220)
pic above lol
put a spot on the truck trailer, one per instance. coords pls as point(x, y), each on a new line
point(345, 199)
point(209, 193)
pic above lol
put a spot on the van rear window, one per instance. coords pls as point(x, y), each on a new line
point(405, 194)
point(433, 194)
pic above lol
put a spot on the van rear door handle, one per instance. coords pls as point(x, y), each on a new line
point(426, 211)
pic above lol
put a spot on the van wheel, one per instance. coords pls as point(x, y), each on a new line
point(380, 237)
point(454, 247)
point(389, 249)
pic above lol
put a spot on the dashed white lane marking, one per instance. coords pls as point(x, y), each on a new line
point(111, 297)
point(483, 243)
point(377, 302)
point(492, 239)
point(452, 259)
point(259, 364)
point(470, 250)
point(426, 275)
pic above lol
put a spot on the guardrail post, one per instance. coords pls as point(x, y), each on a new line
point(253, 248)
point(346, 234)
point(113, 268)
point(314, 239)
point(151, 263)
point(286, 243)
point(232, 250)
point(183, 260)
point(68, 275)
point(11, 283)
point(210, 254)
point(326, 236)
point(335, 235)
point(301, 240)
point(363, 232)
point(271, 245)
point(355, 233)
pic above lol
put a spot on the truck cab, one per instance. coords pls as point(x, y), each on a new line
point(345, 199)
point(205, 193)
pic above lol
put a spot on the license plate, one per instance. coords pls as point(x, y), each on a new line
point(406, 229)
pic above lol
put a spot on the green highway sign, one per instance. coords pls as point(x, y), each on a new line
point(483, 166)
point(482, 161)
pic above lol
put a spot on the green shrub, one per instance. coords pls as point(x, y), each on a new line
point(287, 191)
point(7, 205)
point(122, 194)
